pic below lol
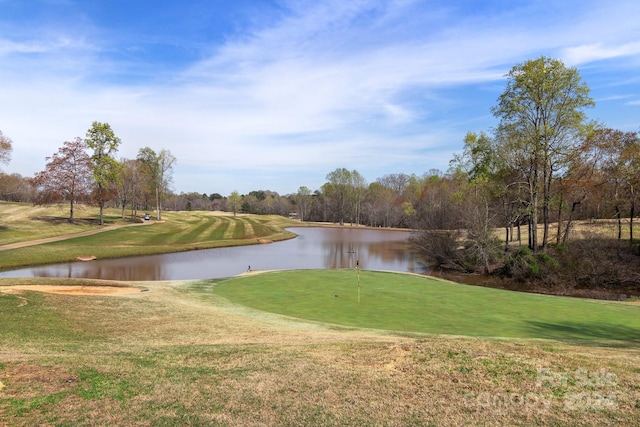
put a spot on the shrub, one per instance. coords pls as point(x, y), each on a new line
point(522, 264)
point(442, 249)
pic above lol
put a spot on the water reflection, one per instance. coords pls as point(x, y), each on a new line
point(313, 248)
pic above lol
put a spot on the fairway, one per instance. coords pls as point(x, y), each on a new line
point(24, 225)
point(410, 303)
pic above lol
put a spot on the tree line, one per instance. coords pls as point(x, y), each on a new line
point(87, 171)
point(544, 166)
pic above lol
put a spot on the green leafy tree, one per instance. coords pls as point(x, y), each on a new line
point(234, 202)
point(358, 190)
point(345, 191)
point(104, 143)
point(476, 170)
point(337, 191)
point(149, 167)
point(541, 118)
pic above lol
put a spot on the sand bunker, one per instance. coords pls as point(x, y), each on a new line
point(73, 290)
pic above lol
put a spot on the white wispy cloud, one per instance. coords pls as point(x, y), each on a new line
point(366, 84)
point(598, 51)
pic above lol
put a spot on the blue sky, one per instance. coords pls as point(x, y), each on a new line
point(273, 95)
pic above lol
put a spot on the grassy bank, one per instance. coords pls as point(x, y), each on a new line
point(178, 231)
point(181, 355)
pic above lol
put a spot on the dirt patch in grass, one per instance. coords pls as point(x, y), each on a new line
point(30, 380)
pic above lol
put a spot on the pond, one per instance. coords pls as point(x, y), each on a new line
point(313, 248)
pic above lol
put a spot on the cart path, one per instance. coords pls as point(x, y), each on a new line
point(18, 245)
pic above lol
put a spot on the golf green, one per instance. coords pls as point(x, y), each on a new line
point(411, 303)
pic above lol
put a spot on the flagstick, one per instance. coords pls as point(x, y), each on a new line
point(358, 268)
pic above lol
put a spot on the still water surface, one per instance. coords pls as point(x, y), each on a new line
point(313, 248)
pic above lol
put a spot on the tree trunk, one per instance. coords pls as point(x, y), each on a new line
point(71, 211)
point(533, 227)
point(631, 214)
point(568, 227)
point(559, 229)
point(533, 221)
point(158, 215)
point(619, 230)
point(545, 224)
point(512, 227)
point(619, 218)
point(506, 238)
point(519, 234)
point(546, 200)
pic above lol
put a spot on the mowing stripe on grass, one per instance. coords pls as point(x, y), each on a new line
point(174, 233)
point(248, 229)
point(236, 229)
point(229, 231)
point(211, 231)
point(202, 232)
point(239, 230)
point(258, 229)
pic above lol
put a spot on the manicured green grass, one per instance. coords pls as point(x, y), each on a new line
point(260, 229)
point(411, 303)
point(179, 231)
point(23, 221)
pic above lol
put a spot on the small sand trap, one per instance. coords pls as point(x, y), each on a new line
point(73, 290)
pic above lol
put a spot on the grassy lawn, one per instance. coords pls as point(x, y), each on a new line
point(178, 231)
point(21, 222)
point(411, 303)
point(181, 355)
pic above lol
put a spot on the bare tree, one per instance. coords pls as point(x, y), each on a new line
point(6, 145)
point(157, 168)
point(16, 188)
point(130, 186)
point(66, 176)
point(166, 161)
point(303, 199)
